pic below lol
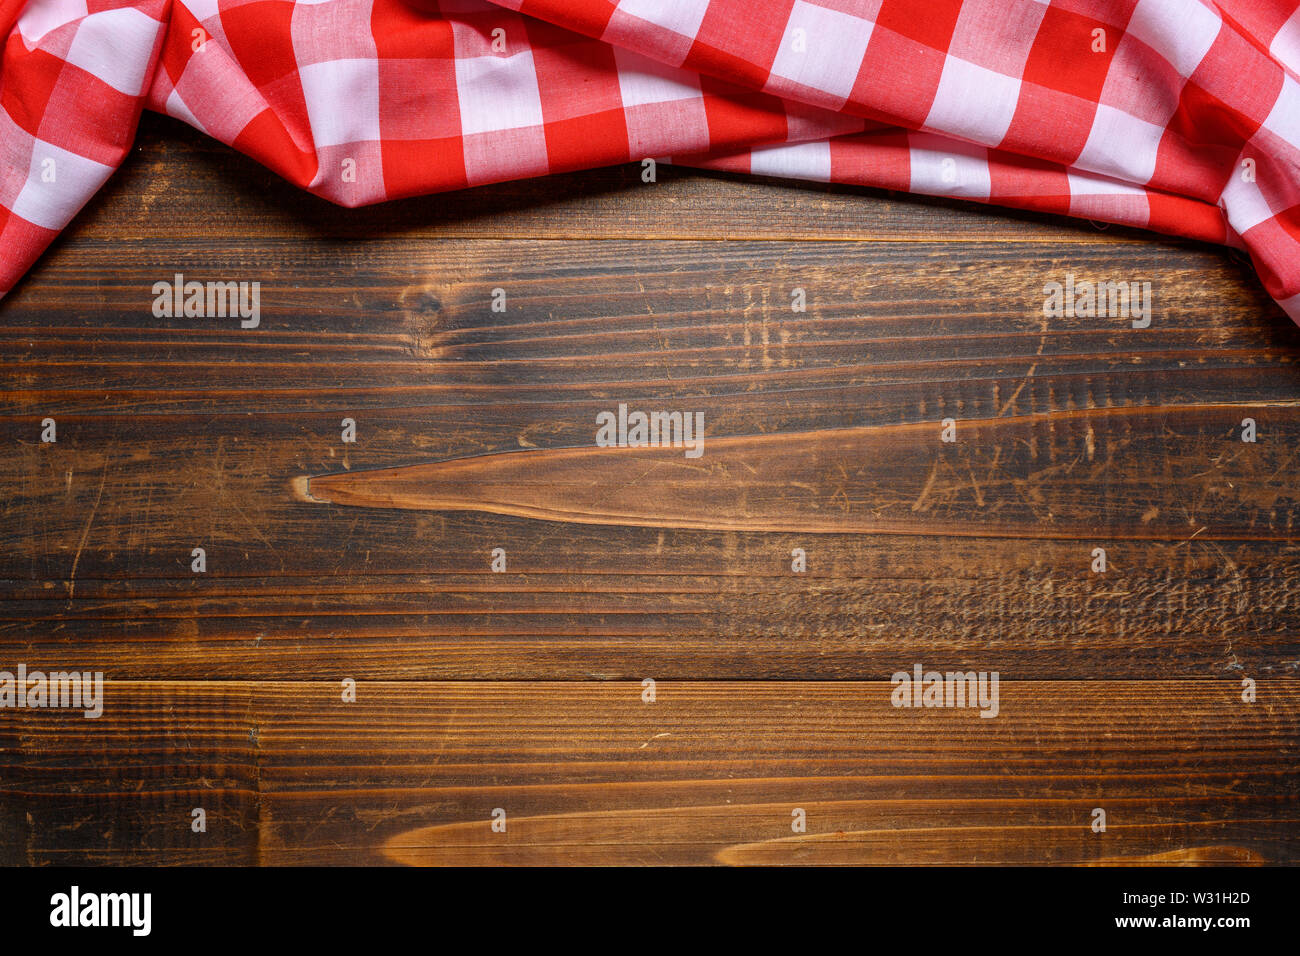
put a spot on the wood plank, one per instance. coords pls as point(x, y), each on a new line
point(1028, 476)
point(1202, 570)
point(566, 625)
point(626, 298)
point(709, 772)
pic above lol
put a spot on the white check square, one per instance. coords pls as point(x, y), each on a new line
point(1285, 47)
point(794, 161)
point(38, 19)
point(177, 107)
point(822, 49)
point(1122, 146)
point(680, 16)
point(1094, 184)
point(1179, 31)
point(1284, 119)
point(203, 9)
point(947, 167)
point(342, 101)
point(58, 183)
point(642, 80)
point(1244, 203)
point(973, 103)
point(116, 46)
point(498, 93)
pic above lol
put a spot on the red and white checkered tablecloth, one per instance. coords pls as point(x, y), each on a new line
point(1182, 116)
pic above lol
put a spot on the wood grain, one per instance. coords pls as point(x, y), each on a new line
point(883, 479)
point(709, 772)
point(475, 430)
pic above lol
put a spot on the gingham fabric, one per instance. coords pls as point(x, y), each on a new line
point(1182, 116)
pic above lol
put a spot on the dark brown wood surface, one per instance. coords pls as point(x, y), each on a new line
point(522, 690)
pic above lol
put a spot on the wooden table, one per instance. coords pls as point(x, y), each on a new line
point(523, 690)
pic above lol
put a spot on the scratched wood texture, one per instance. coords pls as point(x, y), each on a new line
point(522, 690)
